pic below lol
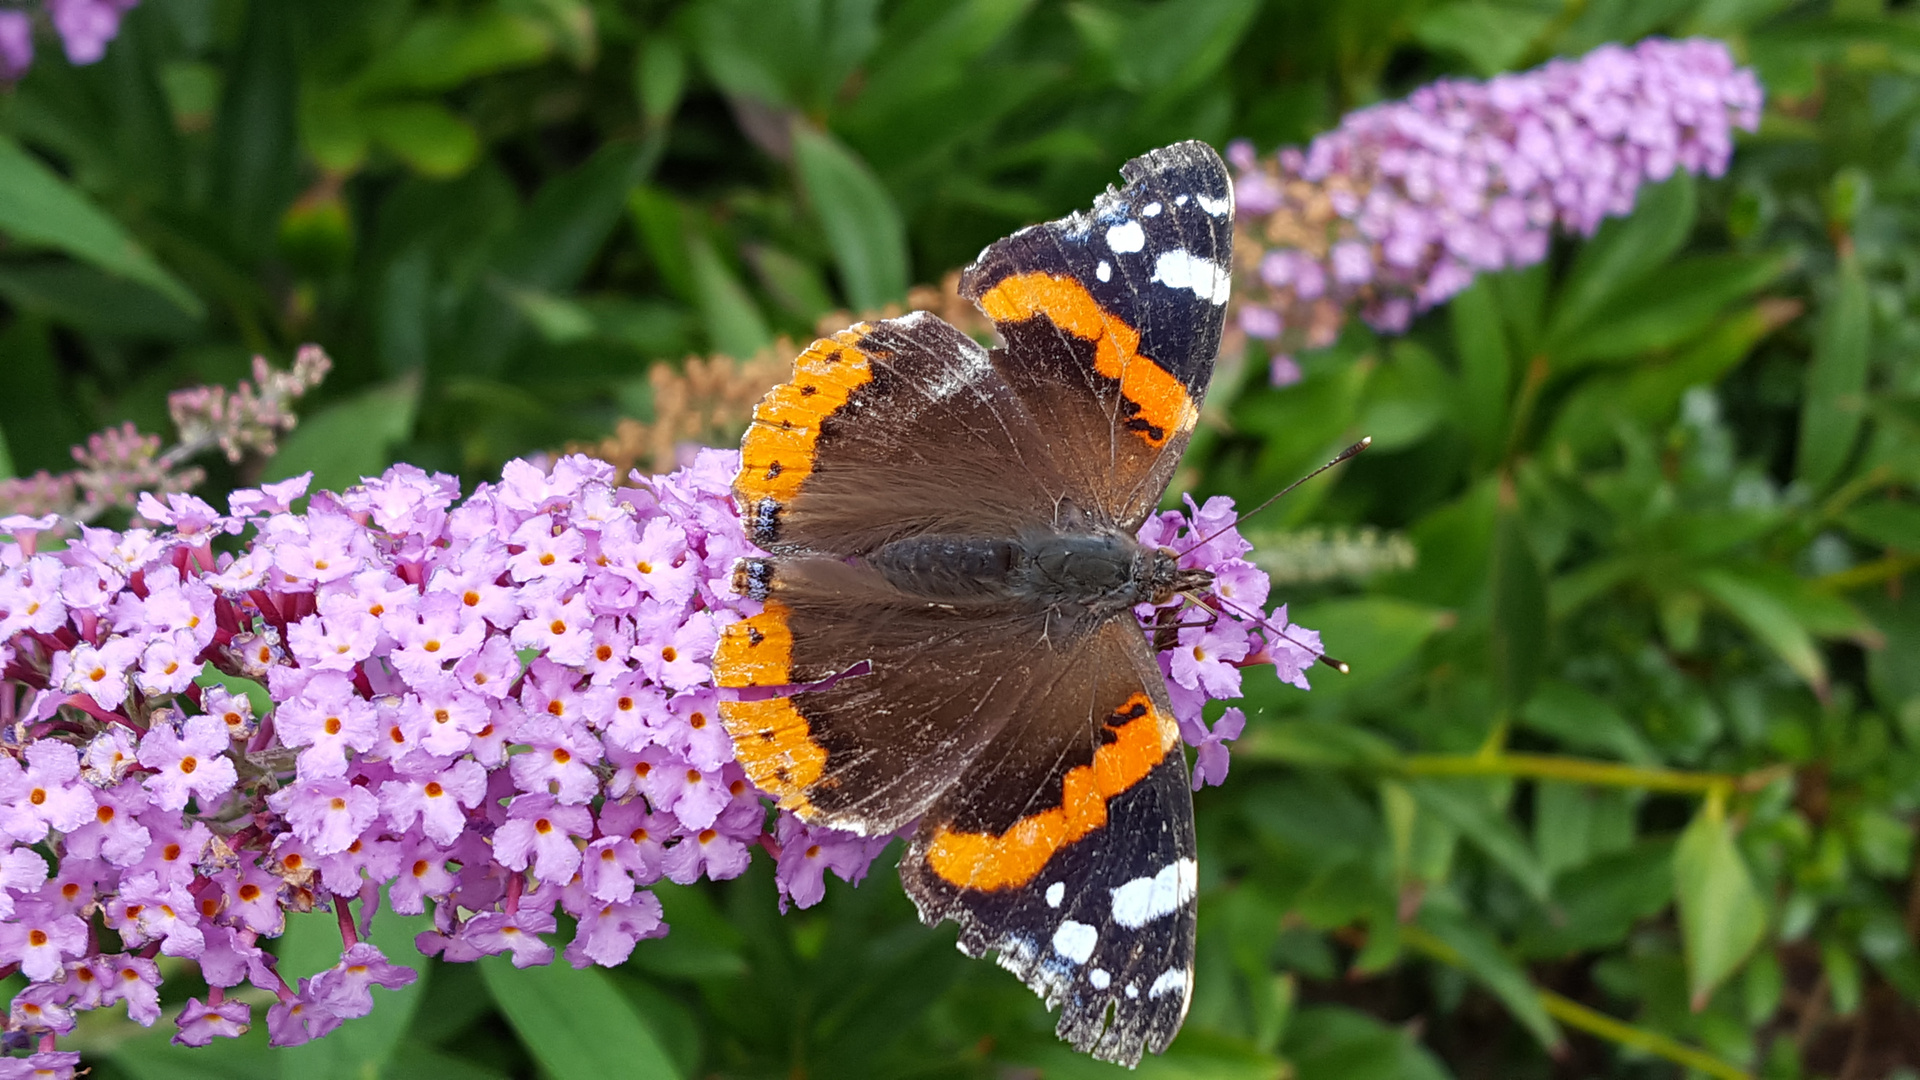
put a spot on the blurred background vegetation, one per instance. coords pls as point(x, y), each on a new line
point(1624, 780)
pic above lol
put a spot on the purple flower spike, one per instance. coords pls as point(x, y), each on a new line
point(404, 748)
point(1398, 208)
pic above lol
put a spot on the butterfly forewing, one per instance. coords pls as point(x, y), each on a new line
point(1112, 320)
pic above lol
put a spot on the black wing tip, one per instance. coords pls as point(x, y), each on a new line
point(1191, 154)
point(1201, 164)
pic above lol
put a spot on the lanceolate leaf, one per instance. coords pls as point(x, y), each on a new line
point(862, 224)
point(39, 209)
point(1519, 612)
point(577, 1024)
point(1836, 380)
point(1769, 620)
point(1721, 914)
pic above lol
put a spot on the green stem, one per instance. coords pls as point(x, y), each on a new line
point(1581, 771)
point(1592, 1021)
point(1873, 573)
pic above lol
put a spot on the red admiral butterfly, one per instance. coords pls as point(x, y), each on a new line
point(954, 566)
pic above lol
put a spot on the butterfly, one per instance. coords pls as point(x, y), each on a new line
point(947, 631)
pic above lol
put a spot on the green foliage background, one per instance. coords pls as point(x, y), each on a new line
point(1626, 772)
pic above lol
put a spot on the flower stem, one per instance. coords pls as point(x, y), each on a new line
point(1592, 1021)
point(1582, 771)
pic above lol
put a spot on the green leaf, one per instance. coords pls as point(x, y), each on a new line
point(1175, 46)
point(1585, 722)
point(332, 128)
point(575, 1023)
point(1836, 399)
point(1562, 825)
point(660, 77)
point(256, 157)
point(732, 320)
point(1520, 629)
point(1187, 1059)
point(1621, 253)
point(362, 1048)
point(425, 135)
point(862, 224)
point(1464, 805)
point(1890, 524)
point(1455, 543)
point(795, 53)
point(1493, 37)
point(549, 248)
point(440, 52)
point(1375, 635)
point(569, 221)
point(41, 420)
point(1336, 1043)
point(97, 304)
point(1598, 905)
point(1721, 914)
point(1650, 392)
point(349, 440)
point(1666, 308)
point(1773, 622)
point(937, 57)
point(1492, 968)
point(39, 209)
point(1486, 367)
point(1406, 398)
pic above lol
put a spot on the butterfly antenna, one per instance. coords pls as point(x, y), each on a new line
point(1259, 618)
point(1275, 497)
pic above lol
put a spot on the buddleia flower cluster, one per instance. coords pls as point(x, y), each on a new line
point(496, 709)
point(118, 465)
point(1399, 207)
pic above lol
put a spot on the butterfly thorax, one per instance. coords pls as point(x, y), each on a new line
point(1086, 575)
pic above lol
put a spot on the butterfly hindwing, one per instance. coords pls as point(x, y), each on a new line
point(873, 749)
point(1067, 847)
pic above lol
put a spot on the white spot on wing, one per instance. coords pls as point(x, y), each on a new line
point(1182, 269)
point(1104, 271)
point(1181, 201)
point(1075, 941)
point(1056, 892)
point(1145, 899)
point(1099, 978)
point(1133, 990)
point(1172, 980)
point(1127, 237)
point(1216, 207)
point(1152, 209)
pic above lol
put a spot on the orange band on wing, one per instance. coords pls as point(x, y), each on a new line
point(774, 744)
point(1164, 402)
point(777, 454)
point(1015, 857)
point(756, 651)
